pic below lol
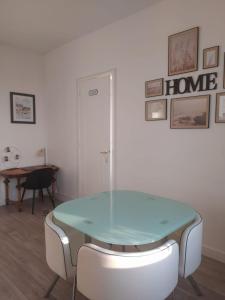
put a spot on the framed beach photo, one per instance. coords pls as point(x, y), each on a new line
point(22, 108)
point(183, 52)
point(220, 108)
point(154, 88)
point(156, 110)
point(190, 112)
point(211, 57)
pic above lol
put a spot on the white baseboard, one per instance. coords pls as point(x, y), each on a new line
point(214, 253)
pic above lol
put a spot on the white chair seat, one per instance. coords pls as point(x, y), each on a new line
point(191, 248)
point(61, 253)
point(108, 275)
point(191, 251)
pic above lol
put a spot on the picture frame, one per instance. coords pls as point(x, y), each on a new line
point(154, 87)
point(190, 112)
point(224, 71)
point(211, 57)
point(156, 110)
point(183, 52)
point(220, 108)
point(22, 108)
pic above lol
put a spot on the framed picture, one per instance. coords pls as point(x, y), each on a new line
point(190, 112)
point(22, 108)
point(154, 88)
point(220, 108)
point(156, 110)
point(211, 57)
point(183, 52)
point(224, 72)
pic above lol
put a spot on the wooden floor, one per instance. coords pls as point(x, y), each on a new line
point(24, 274)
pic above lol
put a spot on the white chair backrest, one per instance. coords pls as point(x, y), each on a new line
point(108, 275)
point(58, 254)
point(191, 248)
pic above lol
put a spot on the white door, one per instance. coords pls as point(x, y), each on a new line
point(95, 134)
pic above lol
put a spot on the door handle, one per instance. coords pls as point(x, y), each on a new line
point(105, 152)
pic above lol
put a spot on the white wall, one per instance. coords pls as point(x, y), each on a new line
point(21, 71)
point(188, 165)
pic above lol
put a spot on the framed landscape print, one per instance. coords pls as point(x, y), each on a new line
point(220, 108)
point(154, 88)
point(183, 52)
point(211, 57)
point(22, 108)
point(156, 110)
point(190, 112)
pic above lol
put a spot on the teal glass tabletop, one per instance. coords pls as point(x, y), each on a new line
point(125, 217)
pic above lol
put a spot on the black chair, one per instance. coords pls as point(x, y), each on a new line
point(39, 180)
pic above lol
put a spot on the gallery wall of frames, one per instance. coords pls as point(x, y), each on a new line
point(187, 112)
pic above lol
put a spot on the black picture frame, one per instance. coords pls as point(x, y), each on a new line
point(26, 114)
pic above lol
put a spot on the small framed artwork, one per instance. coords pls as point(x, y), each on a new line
point(224, 72)
point(211, 57)
point(190, 112)
point(220, 108)
point(156, 110)
point(22, 108)
point(154, 88)
point(183, 52)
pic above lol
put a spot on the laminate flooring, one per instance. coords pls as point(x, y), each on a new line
point(24, 274)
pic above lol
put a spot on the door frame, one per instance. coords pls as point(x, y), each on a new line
point(112, 76)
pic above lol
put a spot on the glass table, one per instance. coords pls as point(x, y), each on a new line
point(125, 217)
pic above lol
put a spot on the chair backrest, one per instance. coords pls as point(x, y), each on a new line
point(108, 275)
point(39, 179)
point(191, 248)
point(58, 254)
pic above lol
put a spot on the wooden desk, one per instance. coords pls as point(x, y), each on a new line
point(18, 174)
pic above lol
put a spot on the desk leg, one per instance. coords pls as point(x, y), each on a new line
point(6, 182)
point(19, 202)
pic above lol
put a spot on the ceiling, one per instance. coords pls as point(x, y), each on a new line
point(42, 25)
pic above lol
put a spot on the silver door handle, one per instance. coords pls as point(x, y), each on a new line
point(105, 152)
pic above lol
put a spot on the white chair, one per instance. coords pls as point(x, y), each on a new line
point(104, 274)
point(59, 253)
point(191, 251)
